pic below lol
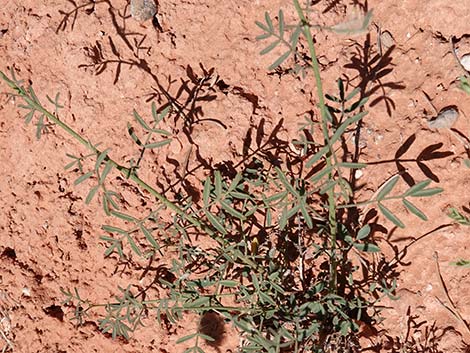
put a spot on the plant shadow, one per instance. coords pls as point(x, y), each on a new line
point(430, 153)
point(372, 71)
point(419, 336)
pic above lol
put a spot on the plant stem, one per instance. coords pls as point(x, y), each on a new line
point(128, 173)
point(332, 222)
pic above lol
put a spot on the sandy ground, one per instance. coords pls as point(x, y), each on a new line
point(49, 238)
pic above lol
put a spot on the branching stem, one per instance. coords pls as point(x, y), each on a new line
point(332, 222)
point(32, 102)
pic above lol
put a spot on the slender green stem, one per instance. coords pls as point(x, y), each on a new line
point(37, 106)
point(332, 222)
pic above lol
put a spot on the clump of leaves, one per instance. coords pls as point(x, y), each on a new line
point(278, 262)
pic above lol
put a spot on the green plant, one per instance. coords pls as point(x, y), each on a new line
point(454, 213)
point(459, 218)
point(279, 263)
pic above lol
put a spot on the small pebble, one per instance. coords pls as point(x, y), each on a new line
point(143, 10)
point(465, 61)
point(378, 138)
point(358, 174)
point(445, 119)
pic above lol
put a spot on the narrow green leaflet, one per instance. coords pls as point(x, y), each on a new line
point(123, 216)
point(276, 197)
point(28, 117)
point(229, 283)
point(356, 105)
point(207, 191)
point(232, 211)
point(367, 247)
point(330, 184)
point(295, 37)
point(215, 222)
point(264, 35)
point(353, 93)
point(281, 23)
point(33, 95)
point(363, 232)
point(159, 117)
point(149, 237)
point(218, 184)
point(270, 47)
point(279, 60)
point(389, 185)
point(112, 229)
point(200, 302)
point(55, 102)
point(186, 338)
point(101, 158)
point(338, 133)
point(269, 22)
point(91, 194)
point(458, 217)
point(427, 192)
point(349, 121)
point(285, 182)
point(207, 338)
point(158, 144)
point(332, 98)
point(415, 210)
point(39, 127)
point(116, 244)
point(83, 178)
point(133, 135)
point(318, 176)
point(109, 196)
point(417, 187)
point(317, 156)
point(133, 245)
point(141, 121)
point(107, 168)
point(390, 216)
point(266, 299)
point(303, 209)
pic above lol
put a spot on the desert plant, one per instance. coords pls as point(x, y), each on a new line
point(279, 262)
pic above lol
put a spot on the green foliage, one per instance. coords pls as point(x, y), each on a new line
point(279, 247)
point(459, 218)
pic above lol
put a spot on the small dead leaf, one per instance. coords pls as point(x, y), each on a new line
point(357, 25)
point(445, 119)
point(387, 40)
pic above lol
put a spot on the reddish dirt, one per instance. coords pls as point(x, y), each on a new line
point(50, 239)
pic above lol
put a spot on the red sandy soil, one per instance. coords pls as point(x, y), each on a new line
point(49, 238)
